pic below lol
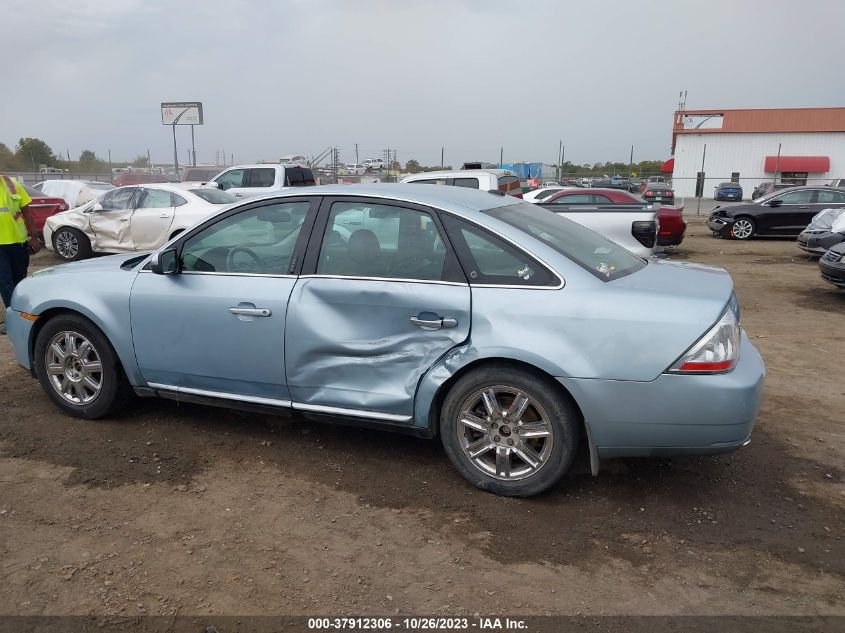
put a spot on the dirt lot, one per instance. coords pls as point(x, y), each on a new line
point(206, 511)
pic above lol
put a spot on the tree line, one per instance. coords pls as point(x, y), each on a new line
point(30, 154)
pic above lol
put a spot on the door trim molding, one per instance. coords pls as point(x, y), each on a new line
point(287, 404)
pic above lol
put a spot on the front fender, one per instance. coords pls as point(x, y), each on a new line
point(109, 311)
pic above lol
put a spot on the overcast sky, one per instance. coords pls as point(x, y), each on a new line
point(281, 77)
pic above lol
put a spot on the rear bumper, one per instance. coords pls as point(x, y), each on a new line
point(673, 414)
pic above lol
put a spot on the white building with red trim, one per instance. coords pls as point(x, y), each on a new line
point(795, 145)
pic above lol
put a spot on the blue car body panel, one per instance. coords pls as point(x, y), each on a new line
point(347, 346)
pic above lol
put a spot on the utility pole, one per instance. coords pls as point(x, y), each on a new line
point(559, 160)
point(777, 167)
point(193, 148)
point(703, 155)
point(501, 156)
point(631, 163)
point(149, 162)
point(441, 157)
point(356, 154)
point(110, 167)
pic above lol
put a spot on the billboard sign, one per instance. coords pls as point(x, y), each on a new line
point(703, 121)
point(181, 113)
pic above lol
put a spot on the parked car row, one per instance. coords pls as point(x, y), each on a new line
point(815, 215)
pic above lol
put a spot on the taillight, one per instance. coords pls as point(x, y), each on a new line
point(717, 351)
point(645, 232)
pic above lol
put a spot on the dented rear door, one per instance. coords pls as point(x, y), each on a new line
point(383, 300)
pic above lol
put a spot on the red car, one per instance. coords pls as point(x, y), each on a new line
point(42, 207)
point(122, 180)
point(671, 219)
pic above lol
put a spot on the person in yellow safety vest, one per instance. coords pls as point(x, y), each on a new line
point(17, 238)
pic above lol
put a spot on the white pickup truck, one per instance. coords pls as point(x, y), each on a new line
point(634, 226)
point(246, 181)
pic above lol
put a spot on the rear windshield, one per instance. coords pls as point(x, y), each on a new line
point(214, 196)
point(299, 177)
point(200, 175)
point(601, 257)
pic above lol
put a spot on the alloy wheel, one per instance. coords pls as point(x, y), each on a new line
point(742, 229)
point(74, 367)
point(504, 432)
point(67, 244)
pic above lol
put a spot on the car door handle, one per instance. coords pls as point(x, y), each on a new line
point(238, 195)
point(254, 312)
point(164, 215)
point(430, 321)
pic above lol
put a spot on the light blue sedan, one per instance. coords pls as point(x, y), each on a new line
point(510, 332)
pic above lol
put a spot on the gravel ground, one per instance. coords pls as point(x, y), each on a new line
point(170, 508)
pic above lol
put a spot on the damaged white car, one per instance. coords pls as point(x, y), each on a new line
point(129, 219)
point(825, 231)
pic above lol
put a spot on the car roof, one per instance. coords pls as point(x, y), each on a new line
point(459, 199)
point(457, 173)
point(729, 184)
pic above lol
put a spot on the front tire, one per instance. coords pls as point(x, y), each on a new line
point(71, 244)
point(78, 368)
point(743, 228)
point(509, 431)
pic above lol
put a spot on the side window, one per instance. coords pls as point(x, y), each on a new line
point(472, 183)
point(374, 240)
point(600, 199)
point(118, 199)
point(825, 197)
point(490, 260)
point(576, 198)
point(155, 199)
point(429, 181)
point(299, 177)
point(177, 201)
point(260, 240)
point(796, 197)
point(231, 178)
point(262, 177)
point(509, 184)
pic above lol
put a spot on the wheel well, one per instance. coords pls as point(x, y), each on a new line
point(52, 313)
point(443, 391)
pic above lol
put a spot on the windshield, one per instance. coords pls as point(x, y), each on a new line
point(214, 196)
point(601, 257)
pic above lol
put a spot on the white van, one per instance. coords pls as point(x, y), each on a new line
point(502, 180)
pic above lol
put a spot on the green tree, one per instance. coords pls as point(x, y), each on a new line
point(33, 152)
point(141, 161)
point(7, 159)
point(87, 158)
point(412, 166)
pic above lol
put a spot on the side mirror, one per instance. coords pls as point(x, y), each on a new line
point(97, 207)
point(214, 185)
point(775, 203)
point(165, 262)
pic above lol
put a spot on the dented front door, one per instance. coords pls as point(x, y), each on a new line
point(110, 220)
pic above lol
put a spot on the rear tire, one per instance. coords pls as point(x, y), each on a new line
point(743, 228)
point(78, 368)
point(508, 430)
point(71, 244)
